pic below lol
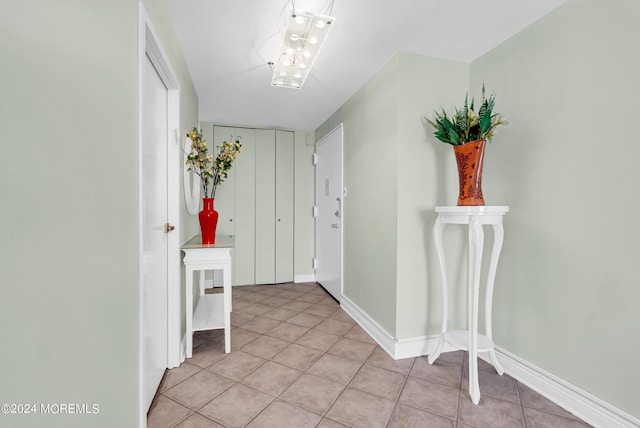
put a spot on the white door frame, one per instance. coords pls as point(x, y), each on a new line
point(149, 45)
point(338, 129)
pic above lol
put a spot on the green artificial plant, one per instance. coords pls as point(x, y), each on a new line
point(465, 125)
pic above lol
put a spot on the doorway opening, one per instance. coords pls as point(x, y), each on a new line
point(158, 124)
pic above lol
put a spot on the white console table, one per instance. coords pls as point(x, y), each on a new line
point(212, 311)
point(469, 340)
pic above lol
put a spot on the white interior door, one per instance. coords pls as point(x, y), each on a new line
point(154, 239)
point(329, 195)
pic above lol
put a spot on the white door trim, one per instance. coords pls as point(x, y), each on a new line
point(149, 45)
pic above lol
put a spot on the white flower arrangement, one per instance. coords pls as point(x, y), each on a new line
point(211, 172)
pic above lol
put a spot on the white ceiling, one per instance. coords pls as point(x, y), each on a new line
point(227, 44)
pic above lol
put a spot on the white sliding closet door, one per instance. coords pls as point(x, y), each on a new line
point(284, 206)
point(245, 209)
point(256, 205)
point(265, 213)
point(225, 194)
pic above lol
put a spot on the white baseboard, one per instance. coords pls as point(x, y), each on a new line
point(304, 278)
point(379, 334)
point(209, 283)
point(582, 404)
point(589, 408)
point(183, 349)
point(176, 360)
point(396, 348)
point(415, 347)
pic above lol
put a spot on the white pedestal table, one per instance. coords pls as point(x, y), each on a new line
point(212, 311)
point(469, 340)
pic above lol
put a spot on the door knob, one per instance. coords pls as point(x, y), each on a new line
point(334, 225)
point(168, 228)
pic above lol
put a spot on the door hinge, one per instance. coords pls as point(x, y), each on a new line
point(315, 159)
point(176, 137)
point(315, 263)
point(315, 211)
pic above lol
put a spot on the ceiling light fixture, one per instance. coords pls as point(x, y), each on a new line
point(304, 35)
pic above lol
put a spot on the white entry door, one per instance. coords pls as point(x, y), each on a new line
point(154, 237)
point(329, 196)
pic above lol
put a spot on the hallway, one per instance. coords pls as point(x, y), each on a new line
point(298, 360)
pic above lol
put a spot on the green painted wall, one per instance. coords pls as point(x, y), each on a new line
point(370, 121)
point(69, 211)
point(565, 295)
point(427, 177)
point(566, 291)
point(394, 174)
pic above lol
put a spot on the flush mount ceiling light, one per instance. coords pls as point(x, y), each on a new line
point(304, 35)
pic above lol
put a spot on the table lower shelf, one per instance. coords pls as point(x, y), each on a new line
point(459, 339)
point(209, 313)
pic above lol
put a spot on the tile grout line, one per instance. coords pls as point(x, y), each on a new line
point(459, 406)
point(186, 417)
point(404, 383)
point(524, 416)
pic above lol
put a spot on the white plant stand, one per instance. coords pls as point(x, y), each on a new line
point(212, 311)
point(469, 340)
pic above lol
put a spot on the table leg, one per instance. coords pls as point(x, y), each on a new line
point(498, 238)
point(226, 283)
point(476, 244)
point(201, 277)
point(189, 311)
point(438, 228)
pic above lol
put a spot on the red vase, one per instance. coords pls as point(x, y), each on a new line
point(208, 221)
point(470, 157)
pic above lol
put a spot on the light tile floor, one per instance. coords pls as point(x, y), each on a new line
point(298, 360)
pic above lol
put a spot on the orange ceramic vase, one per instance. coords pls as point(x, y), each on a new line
point(470, 157)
